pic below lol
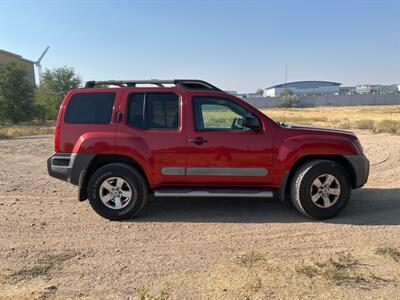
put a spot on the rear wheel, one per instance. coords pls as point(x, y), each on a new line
point(117, 191)
point(320, 189)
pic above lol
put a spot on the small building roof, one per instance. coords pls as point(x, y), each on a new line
point(16, 56)
point(305, 84)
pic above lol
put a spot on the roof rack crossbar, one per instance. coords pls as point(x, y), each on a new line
point(181, 83)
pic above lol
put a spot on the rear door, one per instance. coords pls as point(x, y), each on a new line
point(152, 132)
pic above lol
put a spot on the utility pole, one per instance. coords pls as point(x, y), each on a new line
point(284, 110)
point(285, 75)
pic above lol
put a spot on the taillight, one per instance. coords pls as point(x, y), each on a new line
point(57, 139)
point(57, 133)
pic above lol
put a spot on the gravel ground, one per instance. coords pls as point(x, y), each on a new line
point(52, 246)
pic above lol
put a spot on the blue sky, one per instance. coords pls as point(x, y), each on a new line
point(236, 45)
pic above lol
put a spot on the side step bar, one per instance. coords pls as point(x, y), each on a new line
point(213, 193)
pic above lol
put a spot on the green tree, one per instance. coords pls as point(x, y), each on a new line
point(260, 92)
point(45, 104)
point(287, 98)
point(54, 85)
point(16, 93)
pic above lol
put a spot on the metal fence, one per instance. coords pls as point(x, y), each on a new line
point(343, 100)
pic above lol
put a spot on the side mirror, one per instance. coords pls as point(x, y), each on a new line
point(252, 123)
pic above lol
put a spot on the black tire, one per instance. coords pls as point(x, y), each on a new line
point(136, 182)
point(301, 184)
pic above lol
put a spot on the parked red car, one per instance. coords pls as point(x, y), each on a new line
point(187, 138)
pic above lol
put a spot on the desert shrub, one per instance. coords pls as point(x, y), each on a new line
point(389, 126)
point(144, 294)
point(392, 252)
point(342, 269)
point(364, 124)
point(345, 124)
point(287, 99)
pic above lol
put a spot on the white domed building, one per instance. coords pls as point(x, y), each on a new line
point(305, 88)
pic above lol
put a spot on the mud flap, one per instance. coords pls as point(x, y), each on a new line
point(281, 195)
point(82, 192)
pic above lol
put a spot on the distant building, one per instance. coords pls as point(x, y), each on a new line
point(6, 57)
point(256, 94)
point(347, 90)
point(370, 89)
point(320, 88)
point(376, 89)
point(304, 88)
point(366, 89)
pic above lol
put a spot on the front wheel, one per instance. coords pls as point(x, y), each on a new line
point(117, 191)
point(320, 189)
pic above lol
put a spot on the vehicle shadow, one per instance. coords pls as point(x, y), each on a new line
point(368, 206)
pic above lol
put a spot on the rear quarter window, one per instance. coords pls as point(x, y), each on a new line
point(90, 108)
point(154, 111)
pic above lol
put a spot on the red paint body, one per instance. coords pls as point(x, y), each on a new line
point(274, 148)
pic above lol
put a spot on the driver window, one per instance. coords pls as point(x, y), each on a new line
point(218, 114)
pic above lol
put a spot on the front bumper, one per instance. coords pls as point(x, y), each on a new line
point(360, 164)
point(68, 166)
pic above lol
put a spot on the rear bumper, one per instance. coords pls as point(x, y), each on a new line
point(68, 166)
point(360, 164)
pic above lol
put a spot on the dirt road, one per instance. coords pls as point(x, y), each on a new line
point(52, 246)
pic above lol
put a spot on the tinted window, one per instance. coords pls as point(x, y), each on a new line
point(93, 108)
point(219, 114)
point(136, 110)
point(154, 110)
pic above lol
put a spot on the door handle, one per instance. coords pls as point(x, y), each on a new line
point(198, 141)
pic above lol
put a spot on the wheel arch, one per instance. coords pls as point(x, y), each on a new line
point(102, 160)
point(339, 159)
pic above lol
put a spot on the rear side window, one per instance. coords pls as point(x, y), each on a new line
point(136, 110)
point(153, 110)
point(93, 108)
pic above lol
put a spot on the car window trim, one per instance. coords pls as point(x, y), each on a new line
point(90, 123)
point(196, 113)
point(145, 111)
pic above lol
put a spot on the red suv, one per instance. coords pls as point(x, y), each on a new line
point(122, 141)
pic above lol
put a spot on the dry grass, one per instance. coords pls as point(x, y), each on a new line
point(389, 251)
point(44, 266)
point(32, 292)
point(256, 275)
point(10, 131)
point(385, 118)
point(145, 294)
point(390, 126)
point(29, 281)
point(343, 269)
point(249, 260)
point(376, 118)
point(29, 273)
point(364, 124)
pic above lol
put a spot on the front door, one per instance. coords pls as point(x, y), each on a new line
point(221, 150)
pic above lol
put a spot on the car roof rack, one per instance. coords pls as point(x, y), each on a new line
point(189, 84)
